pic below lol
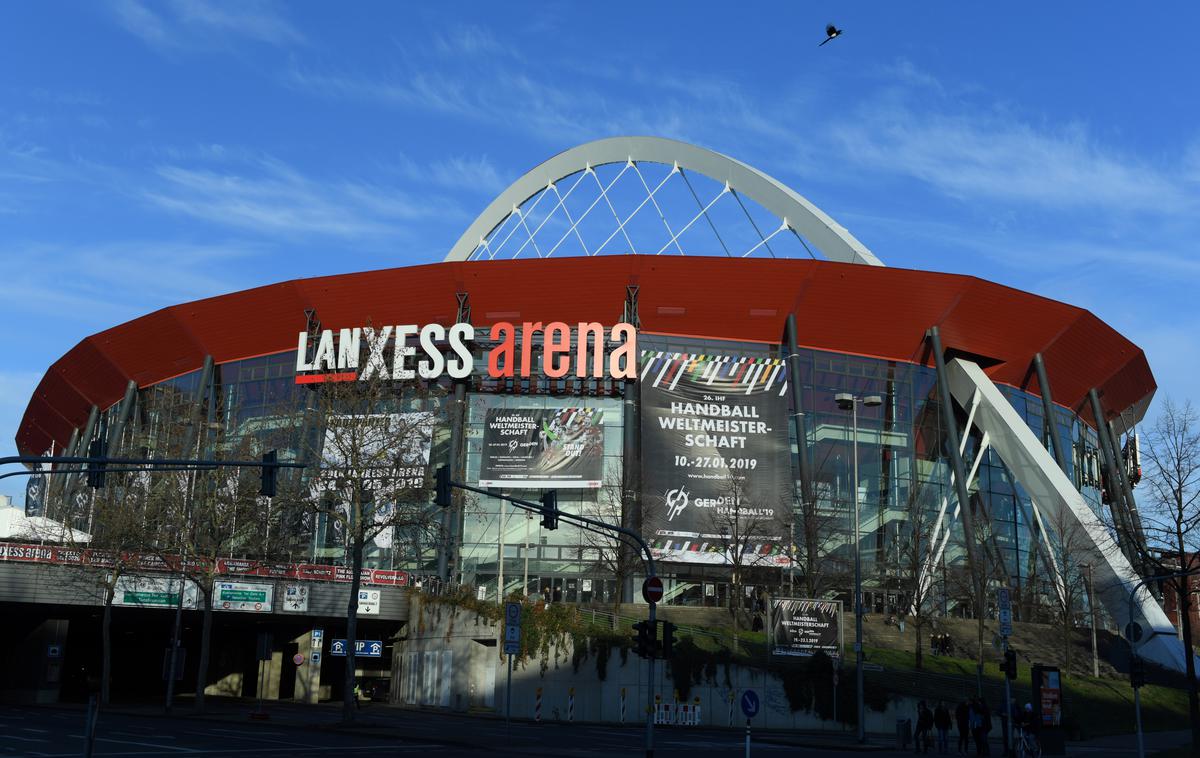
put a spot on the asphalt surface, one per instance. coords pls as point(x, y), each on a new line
point(294, 730)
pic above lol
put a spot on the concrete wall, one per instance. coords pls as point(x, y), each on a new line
point(450, 660)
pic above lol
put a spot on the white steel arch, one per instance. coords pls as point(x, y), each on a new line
point(795, 212)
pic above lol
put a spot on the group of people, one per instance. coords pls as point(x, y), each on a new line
point(941, 644)
point(973, 719)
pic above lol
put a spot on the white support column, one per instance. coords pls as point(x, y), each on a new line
point(1037, 472)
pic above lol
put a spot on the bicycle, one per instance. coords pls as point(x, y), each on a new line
point(1027, 745)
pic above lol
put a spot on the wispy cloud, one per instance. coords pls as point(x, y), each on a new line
point(277, 200)
point(184, 24)
point(985, 152)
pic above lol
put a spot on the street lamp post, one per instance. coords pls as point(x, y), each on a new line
point(848, 402)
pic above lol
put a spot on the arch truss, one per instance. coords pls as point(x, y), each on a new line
point(648, 195)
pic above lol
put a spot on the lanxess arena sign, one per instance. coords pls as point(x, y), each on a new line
point(390, 352)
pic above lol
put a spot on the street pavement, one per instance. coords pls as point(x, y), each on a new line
point(297, 730)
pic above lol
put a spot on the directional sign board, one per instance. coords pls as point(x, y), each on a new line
point(154, 592)
point(295, 598)
point(362, 648)
point(368, 602)
point(750, 703)
point(243, 596)
point(512, 628)
point(1004, 605)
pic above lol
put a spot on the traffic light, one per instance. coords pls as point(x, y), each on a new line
point(442, 487)
point(95, 471)
point(550, 509)
point(668, 638)
point(268, 473)
point(1137, 672)
point(1010, 664)
point(643, 640)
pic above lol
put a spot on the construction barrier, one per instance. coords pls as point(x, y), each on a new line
point(622, 721)
point(537, 706)
point(570, 704)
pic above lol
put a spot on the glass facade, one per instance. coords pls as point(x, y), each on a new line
point(906, 503)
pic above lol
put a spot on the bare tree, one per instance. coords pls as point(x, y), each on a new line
point(822, 526)
point(1067, 568)
point(369, 478)
point(913, 540)
point(1170, 514)
point(119, 527)
point(610, 554)
point(737, 524)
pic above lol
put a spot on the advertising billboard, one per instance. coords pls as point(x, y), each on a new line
point(802, 627)
point(35, 495)
point(716, 463)
point(541, 448)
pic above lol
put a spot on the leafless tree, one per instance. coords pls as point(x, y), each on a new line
point(737, 525)
point(610, 554)
point(369, 477)
point(914, 539)
point(1068, 558)
point(1170, 515)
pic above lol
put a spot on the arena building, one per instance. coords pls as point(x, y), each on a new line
point(659, 333)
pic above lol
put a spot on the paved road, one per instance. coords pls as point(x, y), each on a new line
point(297, 731)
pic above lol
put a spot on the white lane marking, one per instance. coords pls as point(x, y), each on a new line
point(36, 731)
point(243, 731)
point(175, 748)
point(250, 738)
point(26, 739)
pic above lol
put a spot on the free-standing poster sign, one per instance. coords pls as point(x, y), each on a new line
point(538, 448)
point(716, 463)
point(802, 627)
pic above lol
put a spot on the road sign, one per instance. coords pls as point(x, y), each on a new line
point(652, 589)
point(362, 648)
point(315, 656)
point(295, 598)
point(154, 592)
point(54, 651)
point(750, 703)
point(1004, 604)
point(368, 602)
point(244, 596)
point(298, 659)
point(512, 628)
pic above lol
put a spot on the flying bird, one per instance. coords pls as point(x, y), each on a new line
point(831, 32)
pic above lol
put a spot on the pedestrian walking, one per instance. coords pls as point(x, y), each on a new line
point(924, 725)
point(941, 722)
point(962, 719)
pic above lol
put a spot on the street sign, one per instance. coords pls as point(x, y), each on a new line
point(295, 598)
point(512, 628)
point(750, 703)
point(54, 651)
point(154, 592)
point(315, 656)
point(1004, 604)
point(652, 589)
point(298, 659)
point(362, 648)
point(243, 596)
point(318, 636)
point(368, 602)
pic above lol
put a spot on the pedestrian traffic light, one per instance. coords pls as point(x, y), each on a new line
point(95, 471)
point(643, 639)
point(442, 487)
point(1137, 672)
point(1010, 664)
point(668, 638)
point(550, 509)
point(268, 473)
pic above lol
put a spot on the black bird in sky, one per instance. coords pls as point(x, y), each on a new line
point(831, 32)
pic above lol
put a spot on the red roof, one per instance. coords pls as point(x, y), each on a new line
point(865, 310)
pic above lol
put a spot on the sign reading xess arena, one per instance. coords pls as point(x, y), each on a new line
point(446, 351)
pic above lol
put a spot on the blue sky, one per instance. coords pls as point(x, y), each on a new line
point(155, 152)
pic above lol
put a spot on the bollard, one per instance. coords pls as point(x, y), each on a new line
point(731, 708)
point(622, 705)
point(570, 704)
point(537, 706)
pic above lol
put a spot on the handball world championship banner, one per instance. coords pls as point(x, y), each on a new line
point(533, 448)
point(802, 627)
point(715, 454)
